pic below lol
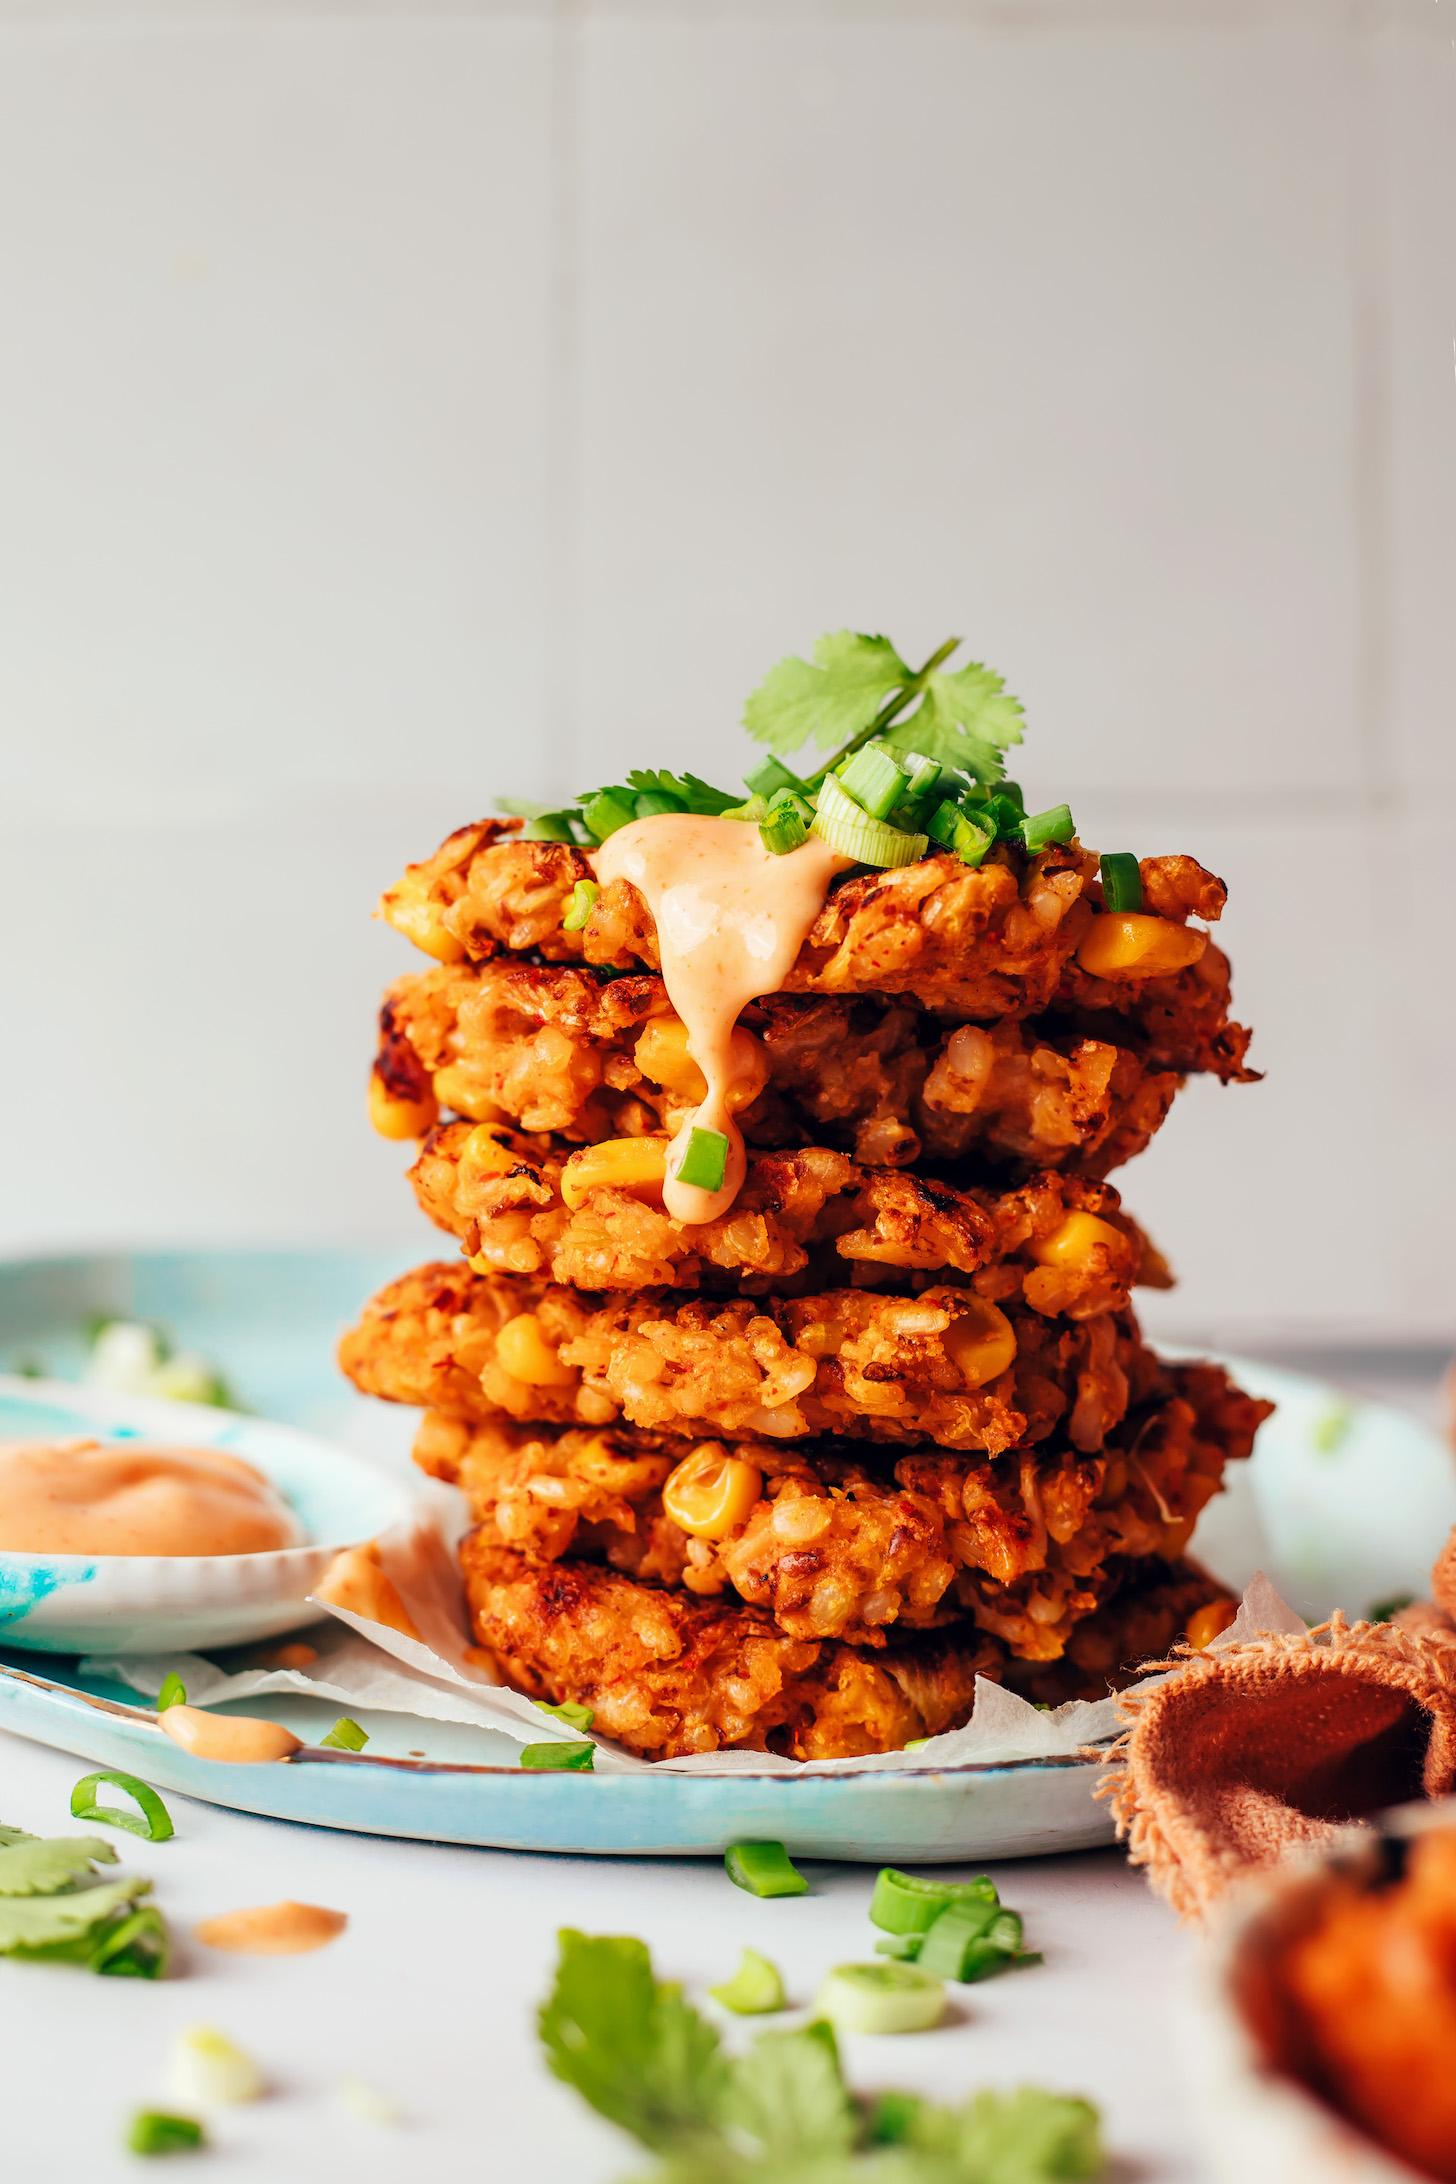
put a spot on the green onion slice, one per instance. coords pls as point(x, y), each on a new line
point(943, 821)
point(764, 1869)
point(153, 2131)
point(705, 1163)
point(345, 1736)
point(908, 1903)
point(558, 1758)
point(881, 1998)
point(154, 1821)
point(767, 779)
point(841, 823)
point(574, 1715)
point(905, 1947)
point(755, 1988)
point(172, 1693)
point(579, 909)
point(1043, 828)
point(973, 835)
point(787, 825)
point(921, 773)
point(963, 1946)
point(136, 1947)
point(874, 778)
point(1122, 881)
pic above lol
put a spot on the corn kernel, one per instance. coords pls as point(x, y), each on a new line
point(710, 1494)
point(623, 1164)
point(521, 1349)
point(1130, 944)
point(484, 1152)
point(419, 921)
point(1205, 1623)
point(981, 1342)
point(661, 1054)
point(395, 1117)
point(1073, 1241)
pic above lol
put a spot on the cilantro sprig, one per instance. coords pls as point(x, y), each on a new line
point(55, 1908)
point(781, 2112)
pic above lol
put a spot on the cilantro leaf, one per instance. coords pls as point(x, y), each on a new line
point(787, 2095)
point(629, 2043)
point(829, 700)
point(46, 1922)
point(1026, 2137)
point(695, 794)
point(966, 720)
point(33, 1867)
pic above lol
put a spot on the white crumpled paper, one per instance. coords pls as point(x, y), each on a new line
point(440, 1676)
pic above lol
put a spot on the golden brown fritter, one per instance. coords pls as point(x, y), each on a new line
point(666, 1675)
point(1000, 940)
point(587, 1056)
point(1148, 1614)
point(833, 1547)
point(934, 1367)
point(801, 1220)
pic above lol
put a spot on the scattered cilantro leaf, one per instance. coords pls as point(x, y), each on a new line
point(35, 1866)
point(54, 1909)
point(828, 700)
point(788, 2098)
point(629, 2043)
point(1025, 2137)
point(37, 1923)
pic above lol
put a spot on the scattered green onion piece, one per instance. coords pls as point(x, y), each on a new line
point(154, 1823)
point(136, 1947)
point(574, 1715)
point(558, 1758)
point(172, 1693)
point(655, 803)
point(608, 810)
point(755, 1988)
point(579, 909)
point(1041, 829)
point(916, 1744)
point(965, 1947)
point(874, 779)
point(1332, 1427)
point(943, 821)
point(974, 835)
point(549, 826)
point(1385, 1611)
point(345, 1736)
point(881, 1998)
point(705, 1162)
point(154, 2132)
point(921, 773)
point(753, 812)
point(893, 2118)
point(769, 778)
point(841, 823)
point(1122, 881)
point(904, 1947)
point(784, 829)
point(909, 1903)
point(208, 2070)
point(764, 1869)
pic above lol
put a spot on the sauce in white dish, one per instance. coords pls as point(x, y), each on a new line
point(126, 1498)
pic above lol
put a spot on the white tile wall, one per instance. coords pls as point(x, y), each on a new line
point(398, 406)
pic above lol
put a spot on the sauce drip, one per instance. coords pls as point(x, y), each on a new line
point(273, 1929)
point(731, 917)
point(123, 1498)
point(244, 1740)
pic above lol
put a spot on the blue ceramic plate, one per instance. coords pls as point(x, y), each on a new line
point(1340, 1506)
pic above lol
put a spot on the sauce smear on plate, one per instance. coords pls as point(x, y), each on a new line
point(125, 1498)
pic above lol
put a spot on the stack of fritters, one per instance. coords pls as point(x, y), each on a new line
point(794, 1477)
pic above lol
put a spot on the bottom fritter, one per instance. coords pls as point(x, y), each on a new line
point(833, 1546)
point(666, 1675)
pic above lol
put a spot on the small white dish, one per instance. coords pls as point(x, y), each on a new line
point(156, 1603)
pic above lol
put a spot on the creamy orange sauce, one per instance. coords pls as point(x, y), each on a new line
point(355, 1581)
point(273, 1929)
point(242, 1739)
point(123, 1498)
point(730, 917)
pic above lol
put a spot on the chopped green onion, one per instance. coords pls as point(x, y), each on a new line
point(153, 2132)
point(1332, 1427)
point(908, 1903)
point(1042, 828)
point(943, 821)
point(922, 775)
point(769, 778)
point(1122, 881)
point(874, 779)
point(893, 2118)
point(764, 1869)
point(904, 1947)
point(881, 1998)
point(345, 1736)
point(964, 1946)
point(208, 2070)
point(755, 1988)
point(841, 823)
point(916, 1744)
point(608, 810)
point(579, 909)
point(136, 1947)
point(172, 1693)
point(1009, 792)
point(1006, 811)
point(654, 803)
point(549, 826)
point(574, 1715)
point(705, 1163)
point(784, 829)
point(559, 1758)
point(974, 834)
point(155, 1822)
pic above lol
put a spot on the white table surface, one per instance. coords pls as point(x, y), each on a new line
point(431, 1995)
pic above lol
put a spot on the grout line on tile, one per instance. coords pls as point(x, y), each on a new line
point(1370, 454)
point(563, 400)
